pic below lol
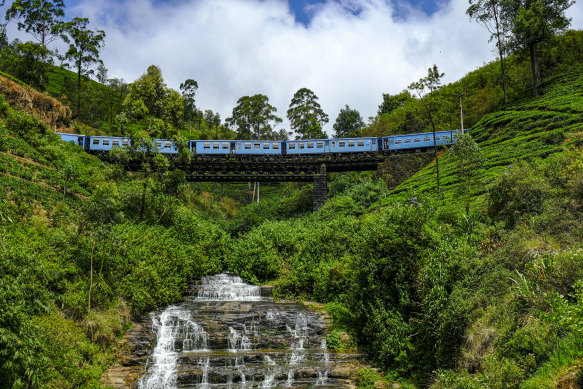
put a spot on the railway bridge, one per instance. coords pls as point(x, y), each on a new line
point(270, 168)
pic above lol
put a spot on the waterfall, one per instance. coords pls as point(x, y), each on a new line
point(174, 323)
point(228, 336)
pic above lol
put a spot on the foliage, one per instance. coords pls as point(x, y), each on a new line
point(533, 22)
point(84, 46)
point(349, 123)
point(254, 118)
point(306, 115)
point(41, 18)
point(467, 154)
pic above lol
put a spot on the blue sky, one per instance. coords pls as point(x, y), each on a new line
point(349, 52)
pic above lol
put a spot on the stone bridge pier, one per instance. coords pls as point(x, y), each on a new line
point(320, 188)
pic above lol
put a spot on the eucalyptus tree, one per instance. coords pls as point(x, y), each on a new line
point(533, 22)
point(349, 123)
point(83, 52)
point(40, 18)
point(254, 118)
point(306, 115)
point(431, 104)
point(189, 88)
point(490, 14)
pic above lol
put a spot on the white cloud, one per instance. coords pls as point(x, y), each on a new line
point(235, 48)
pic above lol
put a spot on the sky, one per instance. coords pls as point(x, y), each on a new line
point(348, 52)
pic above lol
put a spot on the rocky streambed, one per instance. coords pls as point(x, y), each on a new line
point(228, 334)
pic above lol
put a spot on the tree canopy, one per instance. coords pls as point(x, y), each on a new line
point(533, 22)
point(254, 118)
point(306, 115)
point(349, 123)
point(152, 103)
point(40, 18)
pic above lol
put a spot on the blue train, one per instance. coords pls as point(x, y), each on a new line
point(385, 145)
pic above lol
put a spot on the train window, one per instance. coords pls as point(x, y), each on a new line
point(106, 141)
point(333, 144)
point(417, 140)
point(256, 146)
point(437, 138)
point(266, 145)
point(320, 145)
point(446, 137)
point(158, 144)
point(398, 141)
point(125, 142)
point(292, 146)
point(310, 145)
point(276, 146)
point(95, 141)
point(426, 139)
point(351, 143)
point(342, 144)
point(360, 142)
point(301, 145)
point(168, 144)
point(247, 146)
point(115, 142)
point(206, 145)
point(225, 145)
point(408, 140)
point(216, 145)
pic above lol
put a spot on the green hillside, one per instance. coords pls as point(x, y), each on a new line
point(528, 128)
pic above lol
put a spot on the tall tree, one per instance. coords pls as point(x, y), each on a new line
point(254, 117)
point(306, 115)
point(83, 52)
point(151, 102)
point(349, 123)
point(430, 102)
point(189, 88)
point(490, 14)
point(534, 22)
point(40, 18)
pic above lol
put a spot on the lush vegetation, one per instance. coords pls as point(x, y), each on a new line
point(477, 285)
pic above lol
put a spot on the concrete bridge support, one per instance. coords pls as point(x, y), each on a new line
point(320, 188)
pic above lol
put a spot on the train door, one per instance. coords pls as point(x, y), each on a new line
point(233, 151)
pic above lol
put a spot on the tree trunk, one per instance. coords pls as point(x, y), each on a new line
point(534, 69)
point(91, 275)
point(78, 90)
point(503, 77)
point(143, 206)
point(435, 151)
point(500, 53)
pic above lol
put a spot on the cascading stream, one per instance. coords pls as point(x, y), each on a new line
point(230, 336)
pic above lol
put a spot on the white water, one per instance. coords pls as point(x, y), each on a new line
point(226, 287)
point(173, 323)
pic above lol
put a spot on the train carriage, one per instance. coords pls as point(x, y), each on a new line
point(77, 139)
point(325, 146)
point(258, 147)
point(417, 141)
